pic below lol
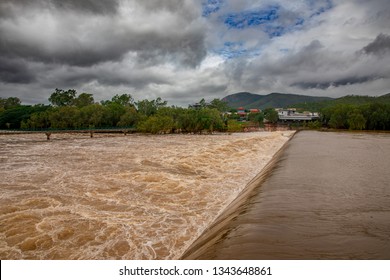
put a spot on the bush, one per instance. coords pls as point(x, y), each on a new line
point(234, 126)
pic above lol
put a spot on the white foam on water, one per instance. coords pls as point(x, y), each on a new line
point(120, 197)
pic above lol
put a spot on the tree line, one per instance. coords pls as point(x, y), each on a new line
point(69, 111)
point(369, 116)
point(352, 112)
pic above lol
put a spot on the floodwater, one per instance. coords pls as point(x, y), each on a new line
point(326, 197)
point(120, 197)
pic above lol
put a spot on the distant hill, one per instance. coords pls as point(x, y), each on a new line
point(276, 100)
point(349, 99)
point(241, 99)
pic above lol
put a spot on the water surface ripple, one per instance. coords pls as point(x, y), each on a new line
point(120, 197)
point(327, 197)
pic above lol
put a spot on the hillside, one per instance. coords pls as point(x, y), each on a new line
point(241, 99)
point(349, 99)
point(275, 100)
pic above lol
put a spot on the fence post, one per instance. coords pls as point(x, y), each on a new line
point(48, 135)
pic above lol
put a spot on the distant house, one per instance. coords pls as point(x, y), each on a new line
point(291, 114)
point(241, 112)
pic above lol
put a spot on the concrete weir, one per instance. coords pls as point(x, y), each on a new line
point(48, 134)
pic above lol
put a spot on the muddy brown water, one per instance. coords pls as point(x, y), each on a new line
point(326, 197)
point(120, 197)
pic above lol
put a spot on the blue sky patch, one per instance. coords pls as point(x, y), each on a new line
point(211, 6)
point(236, 49)
point(269, 20)
point(251, 18)
point(319, 7)
point(274, 31)
point(266, 19)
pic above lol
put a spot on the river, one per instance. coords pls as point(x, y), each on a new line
point(120, 197)
point(327, 196)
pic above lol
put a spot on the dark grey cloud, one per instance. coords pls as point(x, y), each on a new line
point(176, 50)
point(15, 71)
point(310, 58)
point(333, 83)
point(50, 31)
point(314, 66)
point(91, 6)
point(174, 6)
point(322, 68)
point(83, 6)
point(380, 46)
point(108, 74)
point(54, 46)
point(108, 45)
point(71, 53)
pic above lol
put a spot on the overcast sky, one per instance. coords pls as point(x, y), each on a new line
point(185, 50)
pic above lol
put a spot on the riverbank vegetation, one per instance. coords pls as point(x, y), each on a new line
point(70, 111)
point(352, 112)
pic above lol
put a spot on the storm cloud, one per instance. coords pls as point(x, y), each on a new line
point(60, 32)
point(380, 46)
point(186, 50)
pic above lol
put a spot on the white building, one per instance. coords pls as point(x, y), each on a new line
point(290, 114)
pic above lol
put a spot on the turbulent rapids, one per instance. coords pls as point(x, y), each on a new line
point(120, 197)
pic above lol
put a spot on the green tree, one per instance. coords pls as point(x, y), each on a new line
point(314, 125)
point(113, 113)
point(90, 116)
point(256, 118)
point(198, 120)
point(123, 99)
point(61, 97)
point(271, 115)
point(186, 120)
point(211, 120)
point(129, 118)
point(10, 102)
point(339, 116)
point(203, 103)
point(218, 104)
point(65, 117)
point(325, 114)
point(84, 99)
point(38, 120)
point(157, 124)
point(234, 126)
point(148, 108)
point(377, 116)
point(13, 117)
point(356, 120)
